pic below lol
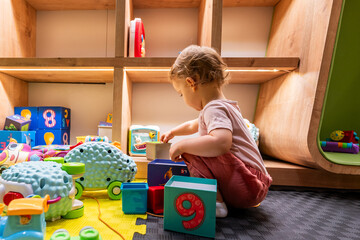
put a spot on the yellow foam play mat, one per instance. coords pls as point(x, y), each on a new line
point(111, 213)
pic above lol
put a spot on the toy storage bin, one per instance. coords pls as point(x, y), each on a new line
point(134, 198)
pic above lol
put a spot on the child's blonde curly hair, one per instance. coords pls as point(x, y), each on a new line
point(202, 64)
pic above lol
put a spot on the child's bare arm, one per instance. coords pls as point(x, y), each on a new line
point(186, 128)
point(217, 143)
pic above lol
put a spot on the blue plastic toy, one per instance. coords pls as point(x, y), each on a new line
point(134, 198)
point(107, 167)
point(25, 219)
point(44, 178)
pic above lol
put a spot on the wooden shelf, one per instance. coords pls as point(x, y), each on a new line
point(288, 174)
point(57, 5)
point(144, 70)
point(196, 3)
point(250, 3)
point(65, 70)
point(242, 70)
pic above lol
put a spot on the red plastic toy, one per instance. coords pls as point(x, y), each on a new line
point(156, 199)
point(344, 136)
point(137, 38)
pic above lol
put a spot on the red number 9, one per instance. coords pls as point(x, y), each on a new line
point(196, 207)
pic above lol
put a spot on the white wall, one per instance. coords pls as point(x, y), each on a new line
point(245, 31)
point(168, 31)
point(75, 33)
point(91, 34)
point(89, 103)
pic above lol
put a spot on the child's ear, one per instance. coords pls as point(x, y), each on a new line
point(191, 83)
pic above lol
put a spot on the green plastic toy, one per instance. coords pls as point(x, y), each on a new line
point(87, 233)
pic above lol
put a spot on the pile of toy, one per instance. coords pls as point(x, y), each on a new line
point(46, 182)
point(37, 126)
point(341, 141)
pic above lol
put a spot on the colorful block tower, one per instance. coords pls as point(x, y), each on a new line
point(190, 205)
point(52, 124)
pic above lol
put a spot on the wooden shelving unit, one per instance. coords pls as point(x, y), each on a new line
point(288, 76)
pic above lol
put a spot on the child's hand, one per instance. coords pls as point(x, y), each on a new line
point(166, 137)
point(175, 152)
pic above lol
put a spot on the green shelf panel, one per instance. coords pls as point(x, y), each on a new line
point(341, 109)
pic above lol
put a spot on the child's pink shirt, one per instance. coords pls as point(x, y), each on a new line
point(226, 114)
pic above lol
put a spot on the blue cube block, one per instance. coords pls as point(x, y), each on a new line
point(54, 118)
point(27, 137)
point(161, 170)
point(51, 136)
point(29, 113)
point(134, 198)
point(190, 205)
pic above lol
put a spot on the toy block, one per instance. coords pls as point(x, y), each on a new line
point(161, 170)
point(157, 150)
point(156, 199)
point(27, 137)
point(54, 118)
point(30, 113)
point(53, 136)
point(339, 147)
point(190, 205)
point(139, 136)
point(142, 167)
point(134, 198)
point(17, 123)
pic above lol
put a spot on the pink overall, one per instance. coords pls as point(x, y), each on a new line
point(240, 185)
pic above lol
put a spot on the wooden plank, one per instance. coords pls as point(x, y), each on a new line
point(166, 3)
point(124, 13)
point(117, 106)
point(121, 107)
point(216, 29)
point(13, 92)
point(286, 103)
point(126, 110)
point(205, 23)
point(17, 29)
point(287, 174)
point(253, 77)
point(145, 62)
point(56, 62)
point(66, 75)
point(279, 63)
point(161, 76)
point(149, 76)
point(58, 5)
point(250, 3)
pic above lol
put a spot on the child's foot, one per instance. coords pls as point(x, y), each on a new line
point(221, 210)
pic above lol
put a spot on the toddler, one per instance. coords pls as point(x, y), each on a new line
point(225, 150)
